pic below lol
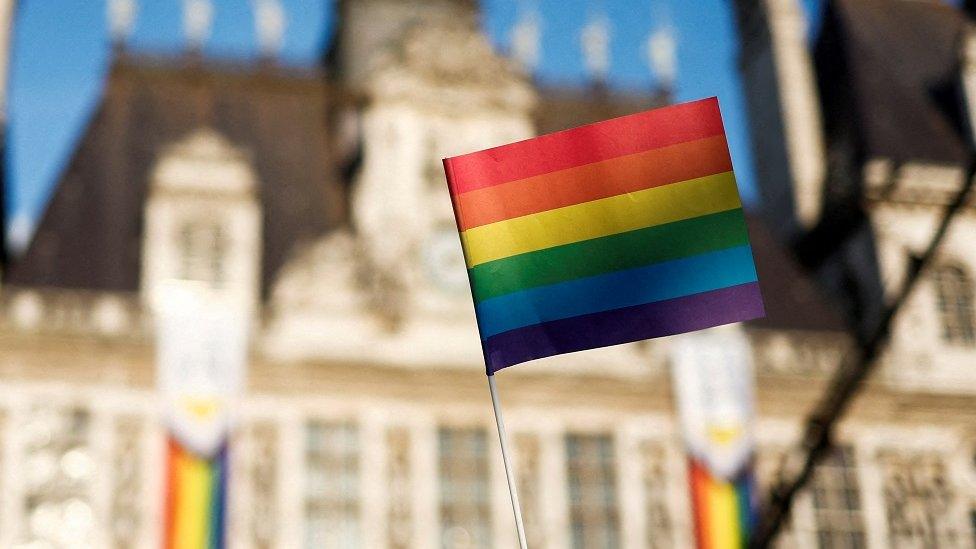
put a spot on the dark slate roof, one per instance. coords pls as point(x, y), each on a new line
point(91, 234)
point(889, 78)
point(561, 108)
point(3, 204)
point(794, 301)
point(90, 237)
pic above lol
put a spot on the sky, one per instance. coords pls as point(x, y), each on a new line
point(61, 52)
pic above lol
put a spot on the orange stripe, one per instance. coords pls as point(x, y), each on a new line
point(172, 495)
point(699, 487)
point(594, 181)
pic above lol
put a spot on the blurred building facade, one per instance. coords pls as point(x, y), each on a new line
point(316, 197)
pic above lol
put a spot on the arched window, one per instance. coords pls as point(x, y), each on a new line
point(954, 288)
point(203, 246)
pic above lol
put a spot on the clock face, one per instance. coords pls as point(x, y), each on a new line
point(444, 261)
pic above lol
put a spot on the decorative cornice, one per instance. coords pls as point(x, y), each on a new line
point(58, 311)
point(912, 183)
point(121, 19)
point(797, 353)
point(197, 22)
point(449, 67)
point(205, 163)
point(270, 22)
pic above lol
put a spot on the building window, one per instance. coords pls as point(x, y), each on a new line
point(465, 503)
point(332, 487)
point(202, 251)
point(127, 481)
point(655, 477)
point(529, 467)
point(58, 473)
point(955, 300)
point(399, 516)
point(593, 511)
point(263, 472)
point(837, 509)
point(972, 524)
point(919, 501)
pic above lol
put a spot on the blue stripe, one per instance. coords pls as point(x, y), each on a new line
point(657, 282)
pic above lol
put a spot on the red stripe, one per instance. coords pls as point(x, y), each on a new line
point(172, 495)
point(699, 484)
point(621, 175)
point(586, 144)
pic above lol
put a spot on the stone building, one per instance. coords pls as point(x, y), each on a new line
point(862, 140)
point(316, 198)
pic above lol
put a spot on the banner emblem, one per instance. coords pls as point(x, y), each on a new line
point(712, 374)
point(201, 361)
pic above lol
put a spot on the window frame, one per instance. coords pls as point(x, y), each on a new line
point(955, 301)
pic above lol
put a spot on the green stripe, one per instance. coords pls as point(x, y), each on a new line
point(609, 253)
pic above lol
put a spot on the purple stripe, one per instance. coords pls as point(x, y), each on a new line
point(219, 517)
point(657, 319)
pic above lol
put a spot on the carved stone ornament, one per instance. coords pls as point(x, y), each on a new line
point(320, 276)
point(204, 151)
point(450, 65)
point(919, 500)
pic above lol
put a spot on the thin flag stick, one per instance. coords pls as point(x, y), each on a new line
point(509, 475)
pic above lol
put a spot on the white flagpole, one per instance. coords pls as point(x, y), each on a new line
point(509, 475)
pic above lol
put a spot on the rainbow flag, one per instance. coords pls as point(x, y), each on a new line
point(604, 234)
point(724, 511)
point(196, 496)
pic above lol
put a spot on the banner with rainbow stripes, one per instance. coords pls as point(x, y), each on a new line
point(196, 498)
point(724, 510)
point(201, 347)
point(712, 374)
point(604, 234)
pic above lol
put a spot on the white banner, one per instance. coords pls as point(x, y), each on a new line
point(713, 379)
point(201, 355)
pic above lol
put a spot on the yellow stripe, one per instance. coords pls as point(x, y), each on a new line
point(616, 214)
point(194, 512)
point(723, 519)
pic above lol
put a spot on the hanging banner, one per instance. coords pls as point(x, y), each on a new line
point(202, 341)
point(713, 384)
point(713, 376)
